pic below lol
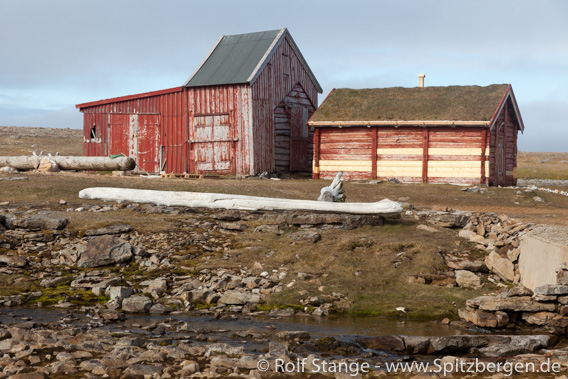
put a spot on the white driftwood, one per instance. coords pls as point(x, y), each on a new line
point(386, 207)
point(70, 163)
point(333, 192)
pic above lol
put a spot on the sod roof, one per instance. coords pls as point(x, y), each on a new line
point(453, 103)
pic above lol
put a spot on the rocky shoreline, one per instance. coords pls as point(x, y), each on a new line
point(112, 273)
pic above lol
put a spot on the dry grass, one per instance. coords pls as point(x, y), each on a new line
point(542, 165)
point(23, 141)
point(361, 264)
point(465, 103)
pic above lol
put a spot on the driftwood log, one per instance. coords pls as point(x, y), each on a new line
point(385, 208)
point(70, 163)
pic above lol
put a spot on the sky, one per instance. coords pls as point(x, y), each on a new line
point(58, 53)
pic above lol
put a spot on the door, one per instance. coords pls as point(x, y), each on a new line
point(119, 134)
point(299, 139)
point(212, 144)
point(500, 160)
point(136, 136)
point(148, 146)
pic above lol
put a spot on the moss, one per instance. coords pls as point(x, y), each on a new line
point(60, 293)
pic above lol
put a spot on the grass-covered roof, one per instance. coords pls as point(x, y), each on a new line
point(453, 103)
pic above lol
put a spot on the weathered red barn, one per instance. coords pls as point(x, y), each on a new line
point(455, 134)
point(242, 112)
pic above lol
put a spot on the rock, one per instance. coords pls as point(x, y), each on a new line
point(551, 289)
point(104, 251)
point(452, 344)
point(517, 304)
point(142, 370)
point(40, 222)
point(466, 233)
point(449, 220)
point(513, 255)
point(288, 312)
point(233, 226)
point(562, 277)
point(293, 335)
point(427, 228)
point(52, 282)
point(467, 279)
point(29, 375)
point(465, 264)
point(389, 343)
point(484, 319)
point(501, 350)
point(545, 318)
point(531, 342)
point(112, 316)
point(500, 266)
point(238, 298)
point(14, 261)
point(119, 293)
point(158, 309)
point(416, 344)
point(517, 291)
point(159, 285)
point(137, 304)
point(305, 236)
point(112, 229)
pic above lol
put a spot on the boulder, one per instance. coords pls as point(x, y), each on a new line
point(306, 236)
point(389, 343)
point(465, 264)
point(551, 289)
point(158, 309)
point(517, 304)
point(500, 266)
point(545, 318)
point(159, 285)
point(238, 298)
point(40, 222)
point(416, 344)
point(467, 279)
point(137, 304)
point(120, 293)
point(105, 250)
point(14, 261)
point(112, 229)
point(484, 319)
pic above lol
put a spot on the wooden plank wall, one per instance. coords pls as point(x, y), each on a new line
point(509, 133)
point(169, 105)
point(410, 154)
point(296, 98)
point(283, 72)
point(233, 100)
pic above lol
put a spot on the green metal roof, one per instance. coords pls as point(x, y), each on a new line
point(234, 59)
point(241, 58)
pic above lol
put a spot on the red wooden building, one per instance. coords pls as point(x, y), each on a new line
point(243, 112)
point(456, 134)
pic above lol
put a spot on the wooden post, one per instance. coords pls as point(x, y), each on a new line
point(483, 147)
point(374, 146)
point(316, 170)
point(425, 143)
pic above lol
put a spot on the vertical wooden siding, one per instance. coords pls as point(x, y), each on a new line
point(231, 100)
point(169, 105)
point(277, 80)
point(508, 133)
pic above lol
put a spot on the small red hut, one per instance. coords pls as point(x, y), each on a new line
point(242, 112)
point(455, 134)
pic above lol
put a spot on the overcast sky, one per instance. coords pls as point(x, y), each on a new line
point(55, 54)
